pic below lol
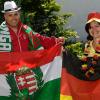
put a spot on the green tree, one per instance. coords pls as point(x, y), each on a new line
point(1, 8)
point(44, 17)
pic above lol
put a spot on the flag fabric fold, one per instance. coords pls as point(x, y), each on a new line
point(73, 88)
point(33, 75)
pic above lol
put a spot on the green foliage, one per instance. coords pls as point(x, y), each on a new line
point(1, 8)
point(43, 16)
point(76, 48)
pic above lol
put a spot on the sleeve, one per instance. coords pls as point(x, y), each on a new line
point(45, 41)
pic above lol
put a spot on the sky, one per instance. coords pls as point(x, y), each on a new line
point(79, 10)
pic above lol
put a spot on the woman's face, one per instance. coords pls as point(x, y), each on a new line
point(95, 33)
point(95, 29)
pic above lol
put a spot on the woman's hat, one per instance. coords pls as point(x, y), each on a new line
point(10, 6)
point(94, 16)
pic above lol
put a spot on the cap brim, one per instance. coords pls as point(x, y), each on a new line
point(11, 10)
point(93, 19)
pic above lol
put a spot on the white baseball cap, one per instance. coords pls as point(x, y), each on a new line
point(10, 6)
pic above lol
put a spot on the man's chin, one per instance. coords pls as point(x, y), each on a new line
point(12, 25)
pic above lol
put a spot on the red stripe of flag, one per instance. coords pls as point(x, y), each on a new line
point(79, 89)
point(12, 61)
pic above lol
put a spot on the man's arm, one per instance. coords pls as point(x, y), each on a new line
point(45, 41)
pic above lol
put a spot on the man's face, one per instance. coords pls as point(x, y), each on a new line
point(12, 18)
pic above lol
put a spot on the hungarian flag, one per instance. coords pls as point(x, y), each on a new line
point(73, 88)
point(33, 75)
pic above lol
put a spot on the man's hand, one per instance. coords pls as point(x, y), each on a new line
point(61, 40)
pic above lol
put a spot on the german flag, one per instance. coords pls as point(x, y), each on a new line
point(65, 88)
point(73, 88)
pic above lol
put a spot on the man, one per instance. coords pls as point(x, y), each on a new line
point(17, 37)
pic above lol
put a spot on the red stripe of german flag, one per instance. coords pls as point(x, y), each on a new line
point(75, 89)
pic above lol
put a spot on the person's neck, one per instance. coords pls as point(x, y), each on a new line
point(14, 28)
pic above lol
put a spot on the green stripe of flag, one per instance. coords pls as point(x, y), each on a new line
point(50, 91)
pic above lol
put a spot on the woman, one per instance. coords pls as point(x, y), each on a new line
point(84, 60)
point(93, 29)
